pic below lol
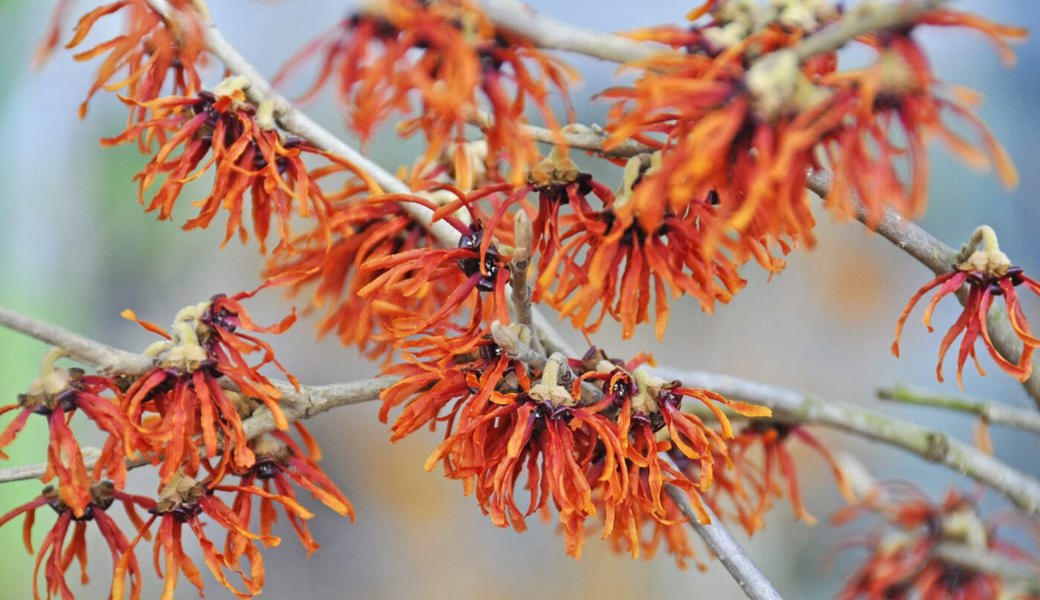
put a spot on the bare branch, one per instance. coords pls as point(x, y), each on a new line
point(106, 359)
point(547, 32)
point(990, 412)
point(935, 446)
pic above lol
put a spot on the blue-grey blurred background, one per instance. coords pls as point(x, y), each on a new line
point(77, 249)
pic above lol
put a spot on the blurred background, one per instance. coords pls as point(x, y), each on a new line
point(78, 249)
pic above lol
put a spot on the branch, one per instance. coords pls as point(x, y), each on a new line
point(107, 360)
point(990, 412)
point(932, 445)
point(744, 571)
point(864, 18)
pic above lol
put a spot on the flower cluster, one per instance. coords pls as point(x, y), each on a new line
point(239, 141)
point(590, 436)
point(742, 117)
point(906, 552)
point(182, 416)
point(439, 63)
point(152, 57)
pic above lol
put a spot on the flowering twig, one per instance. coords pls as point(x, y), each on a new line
point(939, 258)
point(107, 360)
point(989, 412)
point(908, 236)
point(298, 123)
point(303, 404)
point(932, 445)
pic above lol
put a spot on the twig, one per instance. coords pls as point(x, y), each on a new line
point(987, 562)
point(744, 570)
point(547, 32)
point(864, 18)
point(990, 412)
point(309, 401)
point(935, 446)
point(576, 135)
point(107, 360)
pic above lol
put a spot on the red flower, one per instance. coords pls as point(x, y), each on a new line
point(988, 273)
point(752, 487)
point(57, 552)
point(183, 502)
point(280, 462)
point(249, 155)
point(452, 59)
point(152, 54)
point(904, 561)
point(57, 394)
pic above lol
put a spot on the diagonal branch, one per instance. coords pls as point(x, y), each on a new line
point(932, 445)
point(744, 570)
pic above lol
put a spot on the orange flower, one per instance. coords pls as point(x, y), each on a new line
point(57, 394)
point(279, 462)
point(453, 60)
point(151, 56)
point(475, 266)
point(605, 257)
point(184, 392)
point(361, 231)
point(510, 427)
point(888, 111)
point(645, 405)
point(57, 553)
point(988, 273)
point(250, 156)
